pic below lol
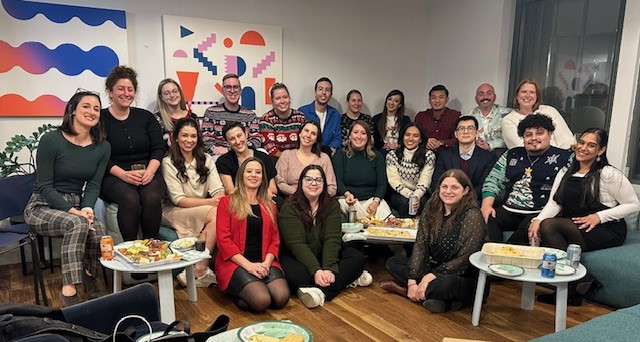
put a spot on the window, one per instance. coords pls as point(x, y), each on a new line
point(634, 142)
point(571, 48)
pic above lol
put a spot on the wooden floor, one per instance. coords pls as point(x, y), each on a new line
point(360, 314)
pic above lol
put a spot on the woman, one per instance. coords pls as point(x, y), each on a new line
point(588, 202)
point(451, 228)
point(137, 150)
point(229, 163)
point(409, 170)
point(362, 190)
point(388, 124)
point(315, 264)
point(354, 105)
point(194, 190)
point(171, 107)
point(527, 101)
point(247, 265)
point(71, 163)
point(280, 126)
point(291, 162)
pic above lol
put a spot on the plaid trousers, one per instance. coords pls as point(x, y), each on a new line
point(80, 245)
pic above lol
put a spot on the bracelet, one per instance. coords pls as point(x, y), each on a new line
point(377, 200)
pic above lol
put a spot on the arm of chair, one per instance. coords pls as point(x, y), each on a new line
point(102, 314)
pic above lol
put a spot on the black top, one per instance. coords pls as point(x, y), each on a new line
point(134, 140)
point(253, 242)
point(378, 137)
point(227, 164)
point(574, 208)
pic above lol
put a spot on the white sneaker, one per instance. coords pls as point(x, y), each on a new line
point(311, 297)
point(365, 279)
point(205, 280)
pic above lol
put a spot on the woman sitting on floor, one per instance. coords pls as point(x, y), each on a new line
point(71, 163)
point(451, 228)
point(315, 264)
point(248, 243)
point(194, 190)
point(587, 206)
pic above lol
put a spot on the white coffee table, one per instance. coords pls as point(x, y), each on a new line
point(529, 279)
point(165, 282)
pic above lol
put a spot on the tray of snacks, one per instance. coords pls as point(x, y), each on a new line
point(390, 222)
point(147, 253)
point(275, 331)
point(523, 256)
point(390, 234)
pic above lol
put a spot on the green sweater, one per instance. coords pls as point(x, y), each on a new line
point(363, 177)
point(65, 168)
point(316, 249)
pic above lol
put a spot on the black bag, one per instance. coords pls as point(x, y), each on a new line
point(170, 333)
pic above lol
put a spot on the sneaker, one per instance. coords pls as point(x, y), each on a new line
point(365, 279)
point(205, 280)
point(311, 297)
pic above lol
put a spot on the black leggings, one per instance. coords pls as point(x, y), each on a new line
point(138, 206)
point(560, 232)
point(506, 221)
point(252, 293)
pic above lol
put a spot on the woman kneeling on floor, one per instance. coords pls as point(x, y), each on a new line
point(247, 265)
point(451, 228)
point(314, 262)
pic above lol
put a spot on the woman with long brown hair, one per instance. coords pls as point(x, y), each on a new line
point(451, 228)
point(388, 124)
point(171, 107)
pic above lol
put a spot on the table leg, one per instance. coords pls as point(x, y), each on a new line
point(561, 306)
point(117, 281)
point(191, 284)
point(477, 304)
point(527, 298)
point(165, 292)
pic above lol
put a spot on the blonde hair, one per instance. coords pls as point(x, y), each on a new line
point(369, 151)
point(162, 107)
point(239, 204)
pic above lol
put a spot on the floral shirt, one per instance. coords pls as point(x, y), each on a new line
point(490, 126)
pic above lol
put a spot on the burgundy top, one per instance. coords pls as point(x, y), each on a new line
point(442, 129)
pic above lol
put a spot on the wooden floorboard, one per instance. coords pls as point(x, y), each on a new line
point(359, 314)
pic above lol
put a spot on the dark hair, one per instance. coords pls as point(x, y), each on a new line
point(198, 152)
point(323, 79)
point(121, 72)
point(229, 126)
point(301, 202)
point(535, 121)
point(353, 91)
point(467, 118)
point(228, 76)
point(316, 148)
point(591, 181)
point(439, 87)
point(381, 125)
point(433, 213)
point(528, 80)
point(277, 86)
point(419, 157)
point(96, 132)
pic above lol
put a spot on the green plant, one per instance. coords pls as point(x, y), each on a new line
point(9, 164)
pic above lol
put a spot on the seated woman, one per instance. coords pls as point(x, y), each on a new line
point(363, 190)
point(587, 205)
point(136, 141)
point(314, 263)
point(291, 162)
point(71, 163)
point(194, 190)
point(388, 124)
point(248, 243)
point(451, 228)
point(280, 126)
point(409, 170)
point(171, 107)
point(353, 113)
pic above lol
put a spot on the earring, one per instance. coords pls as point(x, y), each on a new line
point(598, 159)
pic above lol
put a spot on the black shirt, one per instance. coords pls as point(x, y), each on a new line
point(253, 242)
point(227, 164)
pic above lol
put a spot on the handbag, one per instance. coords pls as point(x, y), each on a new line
point(170, 333)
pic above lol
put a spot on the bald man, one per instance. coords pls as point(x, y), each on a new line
point(489, 116)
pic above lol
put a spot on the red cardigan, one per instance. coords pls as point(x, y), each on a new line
point(231, 236)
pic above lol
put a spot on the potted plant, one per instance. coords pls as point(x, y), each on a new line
point(9, 163)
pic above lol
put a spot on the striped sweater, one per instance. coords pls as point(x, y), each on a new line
point(405, 177)
point(216, 117)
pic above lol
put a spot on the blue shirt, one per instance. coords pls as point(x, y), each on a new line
point(331, 135)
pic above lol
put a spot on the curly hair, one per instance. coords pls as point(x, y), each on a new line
point(121, 72)
point(535, 121)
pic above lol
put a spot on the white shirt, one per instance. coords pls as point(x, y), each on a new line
point(322, 116)
point(467, 155)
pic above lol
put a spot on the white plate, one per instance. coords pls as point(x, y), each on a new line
point(564, 270)
point(352, 227)
point(190, 242)
point(506, 270)
point(560, 254)
point(277, 329)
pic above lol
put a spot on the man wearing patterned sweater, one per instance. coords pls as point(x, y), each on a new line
point(526, 175)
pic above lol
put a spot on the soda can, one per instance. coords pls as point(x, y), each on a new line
point(413, 200)
point(548, 269)
point(107, 247)
point(574, 253)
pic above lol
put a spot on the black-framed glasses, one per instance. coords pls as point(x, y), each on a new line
point(312, 180)
point(86, 91)
point(466, 129)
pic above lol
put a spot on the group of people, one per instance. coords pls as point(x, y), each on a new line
point(267, 194)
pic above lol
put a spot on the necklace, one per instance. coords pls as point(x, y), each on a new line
point(529, 169)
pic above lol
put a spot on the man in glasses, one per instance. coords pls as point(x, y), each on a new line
point(216, 117)
point(489, 116)
point(475, 162)
point(327, 116)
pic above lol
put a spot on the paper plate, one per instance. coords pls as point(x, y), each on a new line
point(352, 227)
point(184, 244)
point(564, 270)
point(560, 254)
point(506, 270)
point(277, 329)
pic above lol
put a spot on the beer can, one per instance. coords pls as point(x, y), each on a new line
point(413, 200)
point(107, 247)
point(548, 269)
point(574, 253)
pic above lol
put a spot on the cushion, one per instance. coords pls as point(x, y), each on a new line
point(615, 326)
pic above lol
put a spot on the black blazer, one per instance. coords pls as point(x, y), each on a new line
point(480, 165)
point(378, 138)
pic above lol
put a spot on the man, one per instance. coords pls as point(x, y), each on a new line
point(526, 175)
point(438, 122)
point(475, 162)
point(327, 116)
point(216, 117)
point(489, 116)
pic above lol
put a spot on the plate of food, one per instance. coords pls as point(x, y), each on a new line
point(560, 254)
point(184, 244)
point(352, 227)
point(564, 270)
point(275, 331)
point(506, 270)
point(390, 222)
point(390, 234)
point(147, 252)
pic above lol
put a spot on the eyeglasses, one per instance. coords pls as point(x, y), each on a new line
point(88, 92)
point(312, 180)
point(466, 129)
point(231, 87)
point(172, 92)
